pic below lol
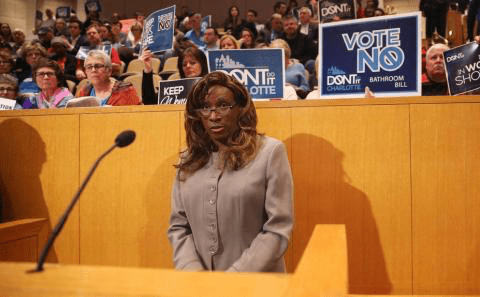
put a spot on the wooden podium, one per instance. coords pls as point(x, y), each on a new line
point(19, 239)
point(321, 271)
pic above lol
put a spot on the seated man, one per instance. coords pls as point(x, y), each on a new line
point(302, 47)
point(306, 26)
point(195, 34)
point(65, 60)
point(95, 42)
point(434, 82)
point(45, 36)
point(211, 39)
point(109, 91)
point(273, 30)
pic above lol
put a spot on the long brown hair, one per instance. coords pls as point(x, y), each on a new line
point(241, 146)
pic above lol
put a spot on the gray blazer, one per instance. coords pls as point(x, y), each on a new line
point(234, 220)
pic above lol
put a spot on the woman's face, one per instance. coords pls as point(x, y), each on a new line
point(46, 79)
point(19, 37)
point(137, 33)
point(33, 56)
point(7, 91)
point(227, 43)
point(219, 124)
point(116, 29)
point(191, 66)
point(234, 11)
point(5, 66)
point(96, 71)
point(247, 38)
point(5, 29)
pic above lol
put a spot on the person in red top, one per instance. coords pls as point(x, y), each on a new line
point(95, 42)
point(434, 81)
point(108, 90)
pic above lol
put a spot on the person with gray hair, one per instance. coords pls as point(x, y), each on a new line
point(9, 89)
point(434, 82)
point(273, 30)
point(102, 85)
point(306, 26)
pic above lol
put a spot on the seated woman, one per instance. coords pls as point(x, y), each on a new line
point(233, 22)
point(49, 78)
point(231, 206)
point(295, 72)
point(6, 62)
point(109, 91)
point(229, 42)
point(32, 52)
point(9, 89)
point(135, 42)
point(191, 63)
point(247, 39)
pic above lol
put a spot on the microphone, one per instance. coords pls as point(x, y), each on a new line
point(123, 139)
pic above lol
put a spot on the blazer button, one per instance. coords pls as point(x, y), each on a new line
point(213, 188)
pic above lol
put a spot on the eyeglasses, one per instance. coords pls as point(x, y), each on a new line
point(94, 66)
point(43, 74)
point(31, 54)
point(221, 110)
point(6, 90)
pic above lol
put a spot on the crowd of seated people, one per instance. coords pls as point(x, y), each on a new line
point(74, 46)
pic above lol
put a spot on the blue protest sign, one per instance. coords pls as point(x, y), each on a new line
point(175, 91)
point(206, 22)
point(341, 9)
point(158, 32)
point(382, 53)
point(83, 51)
point(262, 71)
point(462, 65)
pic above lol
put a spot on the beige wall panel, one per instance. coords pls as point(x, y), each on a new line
point(42, 5)
point(19, 14)
point(39, 174)
point(126, 207)
point(351, 166)
point(446, 198)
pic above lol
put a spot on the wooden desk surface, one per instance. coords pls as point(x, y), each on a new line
point(77, 280)
point(323, 267)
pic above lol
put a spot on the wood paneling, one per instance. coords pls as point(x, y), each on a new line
point(19, 240)
point(38, 174)
point(351, 166)
point(125, 209)
point(82, 280)
point(446, 198)
point(277, 124)
point(323, 267)
point(400, 173)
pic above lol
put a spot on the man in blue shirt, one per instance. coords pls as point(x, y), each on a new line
point(195, 34)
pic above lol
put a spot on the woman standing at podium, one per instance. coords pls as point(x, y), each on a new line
point(232, 195)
